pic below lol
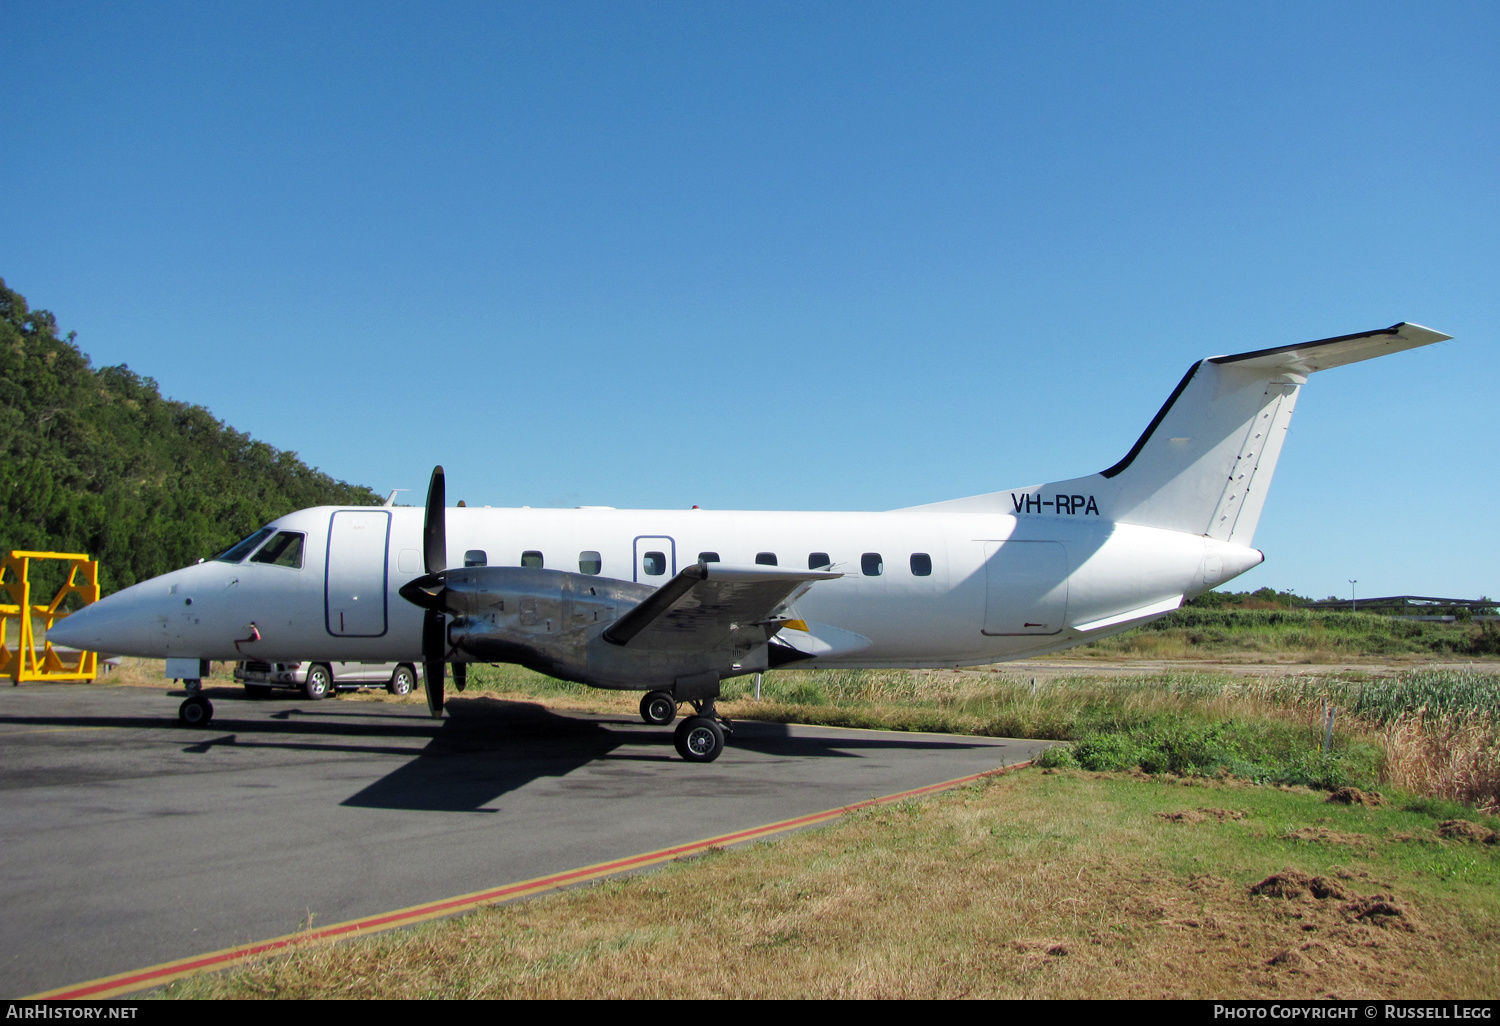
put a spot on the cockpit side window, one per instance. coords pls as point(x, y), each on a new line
point(241, 549)
point(283, 550)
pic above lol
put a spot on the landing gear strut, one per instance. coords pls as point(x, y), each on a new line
point(700, 738)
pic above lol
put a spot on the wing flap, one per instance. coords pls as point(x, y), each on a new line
point(706, 602)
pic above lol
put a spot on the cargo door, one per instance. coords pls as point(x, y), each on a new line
point(355, 581)
point(1026, 588)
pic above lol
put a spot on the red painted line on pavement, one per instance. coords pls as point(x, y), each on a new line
point(166, 972)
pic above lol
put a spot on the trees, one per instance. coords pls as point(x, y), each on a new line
point(98, 461)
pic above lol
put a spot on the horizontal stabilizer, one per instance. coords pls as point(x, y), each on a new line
point(1306, 357)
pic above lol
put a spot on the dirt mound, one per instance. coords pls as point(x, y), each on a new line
point(1286, 958)
point(1353, 796)
point(1293, 883)
point(1040, 947)
point(1464, 830)
point(1379, 910)
point(1201, 815)
point(1322, 835)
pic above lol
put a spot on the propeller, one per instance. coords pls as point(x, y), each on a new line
point(428, 592)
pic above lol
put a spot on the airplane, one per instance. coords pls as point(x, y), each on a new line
point(673, 602)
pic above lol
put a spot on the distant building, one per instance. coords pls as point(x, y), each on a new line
point(1414, 607)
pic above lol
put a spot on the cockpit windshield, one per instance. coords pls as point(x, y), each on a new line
point(240, 550)
point(283, 550)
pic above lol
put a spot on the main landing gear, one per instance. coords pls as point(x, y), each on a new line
point(700, 738)
point(658, 708)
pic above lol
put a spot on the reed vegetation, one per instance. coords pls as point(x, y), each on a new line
point(1435, 733)
point(1198, 633)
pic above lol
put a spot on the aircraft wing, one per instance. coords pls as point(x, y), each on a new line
point(1336, 352)
point(706, 602)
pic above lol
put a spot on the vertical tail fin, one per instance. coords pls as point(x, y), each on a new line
point(1204, 464)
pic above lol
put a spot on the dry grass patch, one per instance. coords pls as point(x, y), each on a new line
point(1447, 757)
point(1059, 885)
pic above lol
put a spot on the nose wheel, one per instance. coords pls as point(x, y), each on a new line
point(195, 711)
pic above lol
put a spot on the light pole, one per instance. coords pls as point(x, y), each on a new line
point(1353, 605)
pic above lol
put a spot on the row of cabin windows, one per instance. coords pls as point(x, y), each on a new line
point(871, 564)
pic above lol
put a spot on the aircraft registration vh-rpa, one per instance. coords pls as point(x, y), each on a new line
point(672, 602)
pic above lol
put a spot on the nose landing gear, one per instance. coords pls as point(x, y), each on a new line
point(195, 711)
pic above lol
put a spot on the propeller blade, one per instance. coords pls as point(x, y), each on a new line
point(435, 524)
point(434, 642)
point(460, 675)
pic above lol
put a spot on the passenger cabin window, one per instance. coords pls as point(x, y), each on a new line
point(654, 563)
point(239, 550)
point(476, 557)
point(921, 564)
point(871, 565)
point(709, 557)
point(532, 558)
point(590, 562)
point(766, 558)
point(283, 550)
point(818, 560)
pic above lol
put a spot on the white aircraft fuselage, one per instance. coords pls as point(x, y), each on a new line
point(1091, 578)
point(674, 601)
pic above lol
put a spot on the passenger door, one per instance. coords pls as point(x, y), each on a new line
point(355, 579)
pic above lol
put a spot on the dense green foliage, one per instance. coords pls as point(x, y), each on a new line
point(1263, 598)
point(97, 461)
point(1195, 632)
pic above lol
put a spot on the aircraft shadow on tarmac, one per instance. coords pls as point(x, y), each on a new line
point(486, 747)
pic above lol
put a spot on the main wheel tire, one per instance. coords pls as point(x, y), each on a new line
point(402, 681)
point(195, 712)
point(658, 708)
point(319, 682)
point(699, 739)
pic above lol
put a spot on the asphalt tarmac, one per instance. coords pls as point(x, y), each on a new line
point(129, 840)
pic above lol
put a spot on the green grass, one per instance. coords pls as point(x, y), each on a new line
point(1030, 885)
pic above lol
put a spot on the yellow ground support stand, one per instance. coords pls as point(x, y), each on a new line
point(24, 662)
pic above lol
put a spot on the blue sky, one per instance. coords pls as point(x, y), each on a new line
point(784, 256)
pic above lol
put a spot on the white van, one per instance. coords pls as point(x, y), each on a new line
point(319, 680)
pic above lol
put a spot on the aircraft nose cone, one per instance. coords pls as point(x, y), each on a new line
point(84, 628)
point(119, 625)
